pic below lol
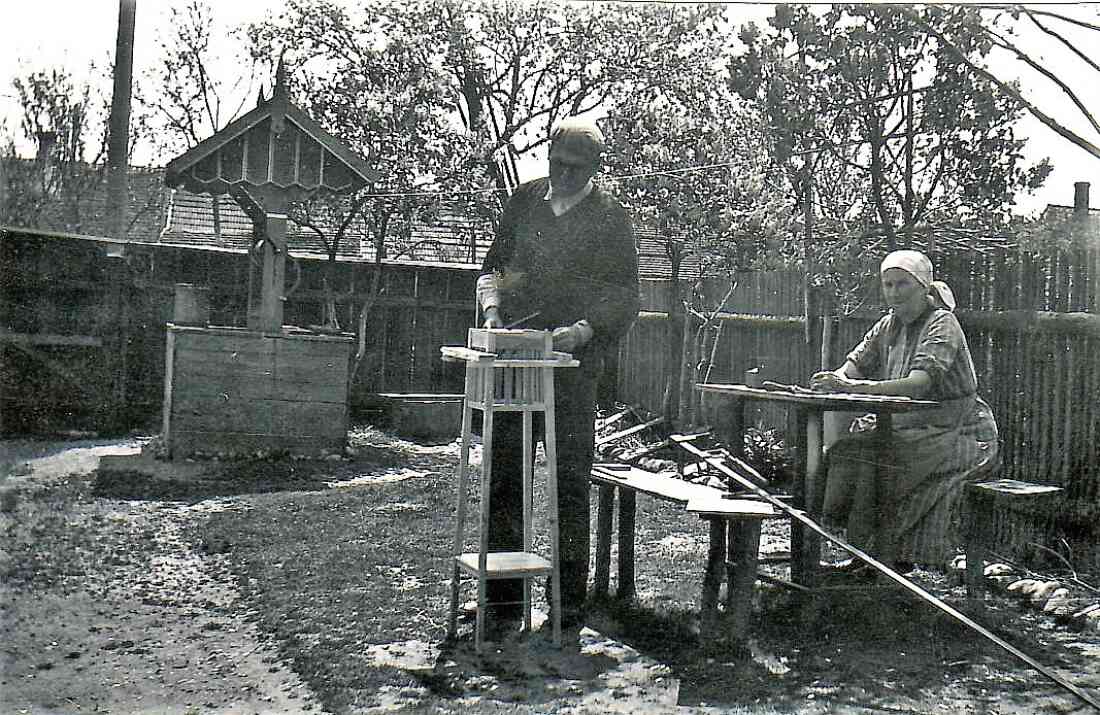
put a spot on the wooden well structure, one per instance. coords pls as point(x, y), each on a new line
point(268, 386)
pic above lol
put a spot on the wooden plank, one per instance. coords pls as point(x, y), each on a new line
point(190, 441)
point(251, 387)
point(296, 419)
point(655, 485)
point(50, 339)
point(1015, 489)
point(422, 396)
point(627, 516)
point(207, 413)
point(606, 505)
point(718, 505)
point(227, 387)
point(1020, 321)
point(333, 372)
point(627, 432)
point(276, 417)
point(222, 362)
point(712, 574)
point(303, 347)
point(246, 342)
point(608, 421)
point(169, 376)
point(743, 551)
point(643, 451)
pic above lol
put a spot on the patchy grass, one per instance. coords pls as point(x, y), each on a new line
point(342, 565)
point(335, 573)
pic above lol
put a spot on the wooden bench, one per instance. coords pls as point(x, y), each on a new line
point(734, 545)
point(734, 530)
point(982, 500)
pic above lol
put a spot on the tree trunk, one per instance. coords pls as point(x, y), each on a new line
point(675, 341)
point(686, 413)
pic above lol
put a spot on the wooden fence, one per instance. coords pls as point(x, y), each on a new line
point(1031, 321)
point(1033, 325)
point(82, 335)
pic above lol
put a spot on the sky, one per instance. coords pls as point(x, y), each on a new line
point(72, 33)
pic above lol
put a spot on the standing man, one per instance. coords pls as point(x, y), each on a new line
point(564, 253)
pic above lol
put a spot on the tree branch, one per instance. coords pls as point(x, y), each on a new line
point(1043, 117)
point(1069, 45)
point(1026, 59)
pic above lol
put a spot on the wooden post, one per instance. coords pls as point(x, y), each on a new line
point(712, 577)
point(798, 492)
point(626, 590)
point(118, 146)
point(274, 268)
point(744, 548)
point(603, 540)
point(118, 166)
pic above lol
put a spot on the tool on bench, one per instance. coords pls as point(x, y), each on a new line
point(523, 320)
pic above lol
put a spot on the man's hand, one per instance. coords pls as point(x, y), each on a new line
point(492, 318)
point(572, 337)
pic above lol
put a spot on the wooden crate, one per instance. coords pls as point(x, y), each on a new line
point(514, 344)
point(429, 417)
point(236, 391)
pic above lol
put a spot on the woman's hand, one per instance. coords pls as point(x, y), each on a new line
point(829, 381)
point(837, 381)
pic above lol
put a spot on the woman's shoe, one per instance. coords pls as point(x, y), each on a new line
point(904, 567)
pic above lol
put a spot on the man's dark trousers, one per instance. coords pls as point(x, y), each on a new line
point(574, 415)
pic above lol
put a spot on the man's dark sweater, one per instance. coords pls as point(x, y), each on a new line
point(581, 265)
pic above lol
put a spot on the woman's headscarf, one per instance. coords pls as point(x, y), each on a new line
point(919, 266)
point(914, 263)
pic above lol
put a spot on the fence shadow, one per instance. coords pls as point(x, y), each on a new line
point(133, 485)
point(147, 479)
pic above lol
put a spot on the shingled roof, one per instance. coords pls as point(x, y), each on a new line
point(77, 203)
point(653, 261)
point(176, 217)
point(451, 239)
point(180, 218)
point(1085, 223)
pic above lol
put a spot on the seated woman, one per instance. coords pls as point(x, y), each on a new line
point(904, 504)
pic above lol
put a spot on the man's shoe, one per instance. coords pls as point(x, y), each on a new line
point(573, 618)
point(499, 629)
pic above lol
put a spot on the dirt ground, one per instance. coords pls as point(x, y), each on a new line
point(107, 606)
point(145, 625)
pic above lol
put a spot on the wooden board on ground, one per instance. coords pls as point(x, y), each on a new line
point(632, 430)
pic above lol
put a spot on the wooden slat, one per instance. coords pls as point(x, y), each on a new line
point(187, 441)
point(668, 488)
point(720, 506)
point(212, 414)
point(632, 430)
point(50, 339)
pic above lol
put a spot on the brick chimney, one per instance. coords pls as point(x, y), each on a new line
point(46, 142)
point(1081, 198)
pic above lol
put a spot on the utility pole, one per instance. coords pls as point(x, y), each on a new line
point(118, 147)
point(117, 336)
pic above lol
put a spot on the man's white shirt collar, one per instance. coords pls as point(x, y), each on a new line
point(560, 205)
